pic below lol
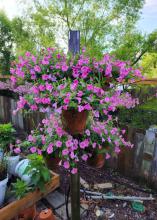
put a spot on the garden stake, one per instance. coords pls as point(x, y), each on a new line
point(74, 47)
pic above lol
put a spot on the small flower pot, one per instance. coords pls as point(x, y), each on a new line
point(3, 187)
point(73, 121)
point(52, 163)
point(97, 160)
point(46, 214)
point(12, 163)
point(29, 213)
point(20, 168)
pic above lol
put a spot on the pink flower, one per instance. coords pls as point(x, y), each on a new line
point(65, 152)
point(87, 132)
point(80, 108)
point(45, 77)
point(74, 170)
point(66, 101)
point(34, 107)
point(37, 68)
point(84, 157)
point(90, 87)
point(80, 93)
point(87, 107)
point(117, 150)
point(39, 152)
point(107, 156)
point(72, 155)
point(31, 138)
point(94, 145)
point(13, 79)
point(108, 71)
point(68, 143)
point(41, 87)
point(107, 99)
point(17, 150)
point(64, 68)
point(66, 164)
point(50, 148)
point(33, 150)
point(58, 144)
point(49, 87)
point(27, 54)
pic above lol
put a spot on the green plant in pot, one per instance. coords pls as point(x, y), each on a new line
point(3, 180)
point(7, 137)
point(34, 171)
point(20, 189)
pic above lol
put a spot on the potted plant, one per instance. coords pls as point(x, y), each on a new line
point(73, 88)
point(7, 136)
point(20, 189)
point(3, 180)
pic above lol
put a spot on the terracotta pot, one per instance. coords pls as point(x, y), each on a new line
point(97, 160)
point(73, 121)
point(29, 213)
point(46, 214)
point(52, 163)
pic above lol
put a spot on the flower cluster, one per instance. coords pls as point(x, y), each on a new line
point(50, 138)
point(62, 82)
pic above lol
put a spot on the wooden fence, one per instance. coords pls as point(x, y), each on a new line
point(141, 161)
point(25, 123)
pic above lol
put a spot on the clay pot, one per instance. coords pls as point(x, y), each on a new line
point(97, 160)
point(52, 163)
point(29, 213)
point(73, 121)
point(46, 214)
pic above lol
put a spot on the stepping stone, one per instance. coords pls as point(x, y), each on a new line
point(55, 199)
point(62, 211)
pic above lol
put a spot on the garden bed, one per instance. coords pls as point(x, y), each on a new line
point(14, 208)
point(121, 210)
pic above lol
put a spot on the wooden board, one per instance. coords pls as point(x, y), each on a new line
point(13, 209)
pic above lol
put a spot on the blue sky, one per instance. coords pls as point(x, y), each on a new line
point(147, 23)
point(148, 20)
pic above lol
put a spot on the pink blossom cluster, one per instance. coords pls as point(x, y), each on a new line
point(52, 139)
point(61, 83)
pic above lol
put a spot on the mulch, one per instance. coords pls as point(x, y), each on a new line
point(112, 209)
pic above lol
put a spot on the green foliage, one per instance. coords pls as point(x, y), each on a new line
point(38, 171)
point(149, 64)
point(6, 43)
point(7, 136)
point(142, 116)
point(20, 188)
point(100, 22)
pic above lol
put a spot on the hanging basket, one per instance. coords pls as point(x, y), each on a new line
point(74, 122)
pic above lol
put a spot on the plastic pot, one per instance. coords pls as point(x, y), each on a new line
point(73, 121)
point(20, 168)
point(12, 163)
point(3, 187)
point(46, 214)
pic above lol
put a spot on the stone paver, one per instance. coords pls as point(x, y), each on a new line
point(55, 199)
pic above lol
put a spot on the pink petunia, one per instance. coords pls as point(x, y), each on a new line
point(74, 170)
point(58, 144)
point(33, 150)
point(66, 164)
